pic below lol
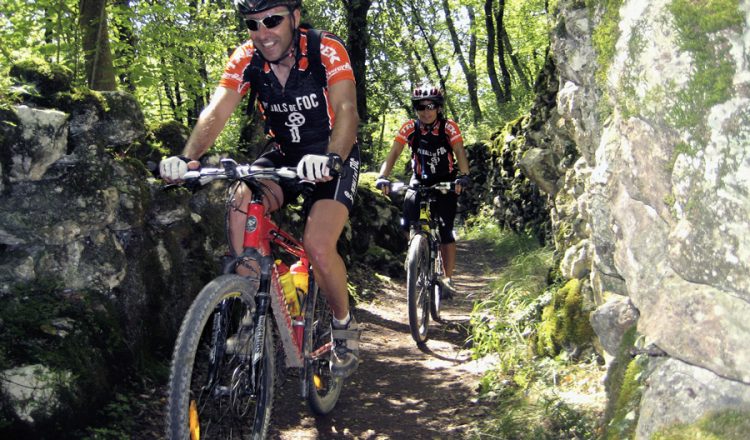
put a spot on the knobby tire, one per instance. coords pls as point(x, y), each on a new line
point(213, 377)
point(418, 288)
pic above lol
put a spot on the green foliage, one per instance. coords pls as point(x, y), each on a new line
point(722, 425)
point(504, 326)
point(120, 412)
point(520, 416)
point(502, 323)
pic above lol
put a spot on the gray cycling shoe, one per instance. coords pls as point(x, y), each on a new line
point(345, 353)
point(449, 289)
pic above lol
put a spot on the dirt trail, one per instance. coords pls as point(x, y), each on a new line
point(401, 391)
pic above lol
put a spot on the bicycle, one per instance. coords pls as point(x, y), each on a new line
point(223, 367)
point(424, 261)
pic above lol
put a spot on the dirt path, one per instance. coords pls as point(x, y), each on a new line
point(401, 391)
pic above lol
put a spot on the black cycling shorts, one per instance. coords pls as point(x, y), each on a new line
point(343, 188)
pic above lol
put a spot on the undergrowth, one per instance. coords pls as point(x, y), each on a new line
point(540, 397)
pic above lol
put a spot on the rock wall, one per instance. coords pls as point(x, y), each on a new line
point(654, 212)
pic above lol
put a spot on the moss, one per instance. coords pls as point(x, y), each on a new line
point(170, 137)
point(698, 23)
point(630, 102)
point(563, 323)
point(624, 384)
point(82, 98)
point(722, 425)
point(605, 34)
point(48, 78)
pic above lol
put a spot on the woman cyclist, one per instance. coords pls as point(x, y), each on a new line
point(437, 155)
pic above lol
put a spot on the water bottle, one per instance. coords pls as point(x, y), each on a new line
point(300, 275)
point(287, 285)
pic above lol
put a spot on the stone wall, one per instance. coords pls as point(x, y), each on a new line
point(654, 212)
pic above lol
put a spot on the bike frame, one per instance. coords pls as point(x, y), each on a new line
point(427, 226)
point(233, 316)
point(261, 233)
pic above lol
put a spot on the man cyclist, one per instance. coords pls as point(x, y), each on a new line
point(436, 145)
point(314, 127)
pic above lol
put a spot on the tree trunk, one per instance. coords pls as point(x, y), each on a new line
point(433, 53)
point(516, 64)
point(472, 40)
point(126, 53)
point(491, 71)
point(100, 72)
point(471, 76)
point(357, 43)
point(501, 51)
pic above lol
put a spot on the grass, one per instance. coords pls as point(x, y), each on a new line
point(538, 397)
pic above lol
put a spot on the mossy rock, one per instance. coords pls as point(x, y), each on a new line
point(47, 78)
point(170, 137)
point(722, 425)
point(70, 101)
point(65, 330)
point(564, 325)
point(624, 386)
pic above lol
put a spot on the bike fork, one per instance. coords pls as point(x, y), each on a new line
point(263, 300)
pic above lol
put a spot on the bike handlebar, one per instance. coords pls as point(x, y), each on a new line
point(231, 170)
point(442, 187)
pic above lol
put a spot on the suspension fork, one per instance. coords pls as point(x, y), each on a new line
point(263, 305)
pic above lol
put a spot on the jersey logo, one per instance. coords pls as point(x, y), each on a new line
point(294, 122)
point(330, 53)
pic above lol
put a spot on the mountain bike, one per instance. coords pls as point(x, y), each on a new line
point(424, 261)
point(223, 368)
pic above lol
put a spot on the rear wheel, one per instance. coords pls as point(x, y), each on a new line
point(418, 284)
point(323, 389)
point(213, 391)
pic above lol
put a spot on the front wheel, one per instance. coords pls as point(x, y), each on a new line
point(214, 390)
point(418, 286)
point(323, 389)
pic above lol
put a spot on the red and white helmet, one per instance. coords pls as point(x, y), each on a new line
point(429, 93)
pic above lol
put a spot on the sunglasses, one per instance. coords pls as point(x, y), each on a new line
point(268, 22)
point(420, 107)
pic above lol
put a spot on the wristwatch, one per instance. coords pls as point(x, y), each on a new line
point(335, 164)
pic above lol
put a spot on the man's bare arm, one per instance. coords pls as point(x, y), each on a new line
point(343, 96)
point(211, 122)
